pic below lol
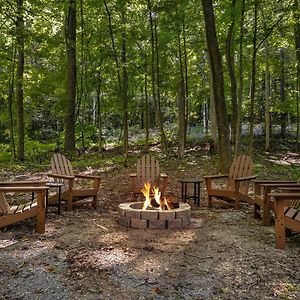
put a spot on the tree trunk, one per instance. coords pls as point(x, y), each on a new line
point(253, 78)
point(241, 83)
point(124, 82)
point(218, 85)
point(10, 101)
point(267, 97)
point(19, 81)
point(156, 75)
point(231, 72)
point(71, 77)
point(186, 85)
point(283, 115)
point(297, 48)
point(181, 104)
point(146, 110)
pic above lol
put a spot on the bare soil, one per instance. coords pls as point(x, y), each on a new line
point(86, 254)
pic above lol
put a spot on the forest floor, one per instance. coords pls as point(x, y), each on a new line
point(86, 254)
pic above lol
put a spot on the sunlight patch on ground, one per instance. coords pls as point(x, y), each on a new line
point(7, 243)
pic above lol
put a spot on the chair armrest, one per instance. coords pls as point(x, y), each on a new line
point(23, 183)
point(245, 178)
point(61, 176)
point(215, 176)
point(132, 175)
point(87, 176)
point(164, 175)
point(281, 184)
point(269, 181)
point(285, 196)
point(9, 189)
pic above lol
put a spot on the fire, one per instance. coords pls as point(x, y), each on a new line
point(153, 198)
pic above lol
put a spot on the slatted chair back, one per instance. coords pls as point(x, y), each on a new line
point(148, 170)
point(4, 206)
point(62, 166)
point(242, 166)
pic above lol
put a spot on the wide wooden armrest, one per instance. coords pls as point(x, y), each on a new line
point(269, 181)
point(132, 175)
point(23, 183)
point(164, 175)
point(215, 176)
point(285, 196)
point(61, 176)
point(245, 178)
point(9, 189)
point(87, 176)
point(279, 185)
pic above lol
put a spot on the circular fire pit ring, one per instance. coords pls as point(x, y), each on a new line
point(132, 215)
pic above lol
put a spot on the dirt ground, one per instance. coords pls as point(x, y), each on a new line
point(86, 254)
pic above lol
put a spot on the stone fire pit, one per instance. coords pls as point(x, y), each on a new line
point(132, 215)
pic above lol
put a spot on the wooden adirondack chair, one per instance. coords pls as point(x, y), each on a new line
point(62, 172)
point(237, 183)
point(287, 214)
point(147, 170)
point(35, 208)
point(264, 204)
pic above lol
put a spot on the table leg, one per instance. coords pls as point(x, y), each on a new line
point(185, 192)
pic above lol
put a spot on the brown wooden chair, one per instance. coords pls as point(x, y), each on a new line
point(236, 186)
point(62, 172)
point(147, 170)
point(265, 204)
point(34, 208)
point(287, 216)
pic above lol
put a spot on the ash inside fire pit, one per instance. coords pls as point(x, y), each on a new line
point(132, 215)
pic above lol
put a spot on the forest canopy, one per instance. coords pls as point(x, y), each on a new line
point(79, 74)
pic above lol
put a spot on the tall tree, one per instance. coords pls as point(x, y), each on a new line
point(253, 80)
point(241, 81)
point(71, 77)
point(297, 48)
point(19, 81)
point(231, 71)
point(218, 86)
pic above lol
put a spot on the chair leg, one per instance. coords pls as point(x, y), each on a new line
point(256, 211)
point(94, 202)
point(209, 200)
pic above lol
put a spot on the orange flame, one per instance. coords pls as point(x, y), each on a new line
point(146, 192)
point(162, 203)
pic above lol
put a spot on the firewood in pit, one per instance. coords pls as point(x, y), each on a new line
point(172, 200)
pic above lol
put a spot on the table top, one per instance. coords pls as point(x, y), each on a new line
point(54, 184)
point(190, 180)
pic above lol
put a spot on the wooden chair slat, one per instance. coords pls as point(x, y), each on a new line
point(290, 212)
point(4, 206)
point(60, 165)
point(235, 191)
point(147, 170)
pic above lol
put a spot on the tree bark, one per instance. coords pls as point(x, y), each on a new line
point(156, 76)
point(253, 78)
point(124, 82)
point(19, 81)
point(10, 101)
point(181, 104)
point(231, 72)
point(237, 138)
point(71, 77)
point(297, 48)
point(218, 85)
point(267, 97)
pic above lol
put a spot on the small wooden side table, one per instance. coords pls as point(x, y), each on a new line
point(58, 186)
point(184, 189)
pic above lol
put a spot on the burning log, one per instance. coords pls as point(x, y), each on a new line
point(172, 200)
point(154, 199)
